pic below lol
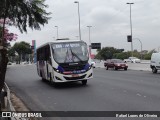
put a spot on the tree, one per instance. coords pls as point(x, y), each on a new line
point(107, 53)
point(122, 55)
point(20, 13)
point(149, 54)
point(125, 55)
point(22, 48)
point(11, 54)
point(5, 37)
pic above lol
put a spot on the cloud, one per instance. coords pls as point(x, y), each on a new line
point(110, 21)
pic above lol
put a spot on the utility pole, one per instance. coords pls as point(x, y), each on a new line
point(89, 40)
point(79, 20)
point(131, 28)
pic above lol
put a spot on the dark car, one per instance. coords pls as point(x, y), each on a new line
point(115, 64)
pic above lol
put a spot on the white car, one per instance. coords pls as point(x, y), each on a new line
point(155, 64)
point(132, 60)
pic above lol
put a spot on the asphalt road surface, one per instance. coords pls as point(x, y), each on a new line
point(109, 90)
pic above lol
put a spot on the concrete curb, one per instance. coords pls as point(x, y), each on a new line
point(129, 69)
point(10, 105)
point(140, 70)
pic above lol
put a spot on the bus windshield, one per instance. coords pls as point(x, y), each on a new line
point(70, 52)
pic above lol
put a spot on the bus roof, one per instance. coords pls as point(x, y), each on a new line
point(59, 41)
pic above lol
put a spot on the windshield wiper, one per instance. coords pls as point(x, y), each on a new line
point(75, 55)
point(67, 56)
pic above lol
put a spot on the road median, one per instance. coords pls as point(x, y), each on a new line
point(145, 66)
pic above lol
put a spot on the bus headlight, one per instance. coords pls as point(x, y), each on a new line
point(59, 69)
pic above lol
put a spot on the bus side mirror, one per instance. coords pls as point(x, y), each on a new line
point(93, 65)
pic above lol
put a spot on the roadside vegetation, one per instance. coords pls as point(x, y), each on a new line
point(21, 51)
point(22, 14)
point(111, 52)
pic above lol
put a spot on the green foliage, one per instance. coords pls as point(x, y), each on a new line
point(22, 48)
point(110, 52)
point(148, 55)
point(23, 13)
point(107, 53)
point(123, 55)
point(11, 52)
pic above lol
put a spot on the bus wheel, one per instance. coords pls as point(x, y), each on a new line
point(84, 82)
point(44, 80)
point(154, 70)
point(42, 77)
point(52, 83)
point(107, 68)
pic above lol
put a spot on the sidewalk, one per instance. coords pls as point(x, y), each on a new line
point(22, 64)
point(12, 103)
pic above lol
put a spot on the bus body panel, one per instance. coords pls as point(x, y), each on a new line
point(47, 67)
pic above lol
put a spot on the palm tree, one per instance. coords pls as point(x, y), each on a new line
point(22, 14)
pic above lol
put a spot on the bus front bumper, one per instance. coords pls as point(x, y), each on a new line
point(58, 77)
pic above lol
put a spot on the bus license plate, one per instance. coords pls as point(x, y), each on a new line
point(75, 75)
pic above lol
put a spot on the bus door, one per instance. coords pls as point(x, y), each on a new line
point(48, 63)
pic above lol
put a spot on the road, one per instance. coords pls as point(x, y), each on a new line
point(109, 90)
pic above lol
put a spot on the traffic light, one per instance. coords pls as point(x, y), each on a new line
point(129, 38)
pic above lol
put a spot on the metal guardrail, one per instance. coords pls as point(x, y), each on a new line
point(6, 104)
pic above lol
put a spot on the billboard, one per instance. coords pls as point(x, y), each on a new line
point(96, 45)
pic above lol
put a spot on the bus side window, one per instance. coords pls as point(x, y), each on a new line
point(40, 54)
point(48, 54)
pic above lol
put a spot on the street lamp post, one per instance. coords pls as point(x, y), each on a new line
point(141, 45)
point(79, 20)
point(57, 31)
point(89, 40)
point(131, 28)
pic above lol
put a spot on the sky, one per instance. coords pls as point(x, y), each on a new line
point(110, 21)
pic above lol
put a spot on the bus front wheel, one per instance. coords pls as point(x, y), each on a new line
point(53, 83)
point(84, 82)
point(44, 80)
point(154, 70)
